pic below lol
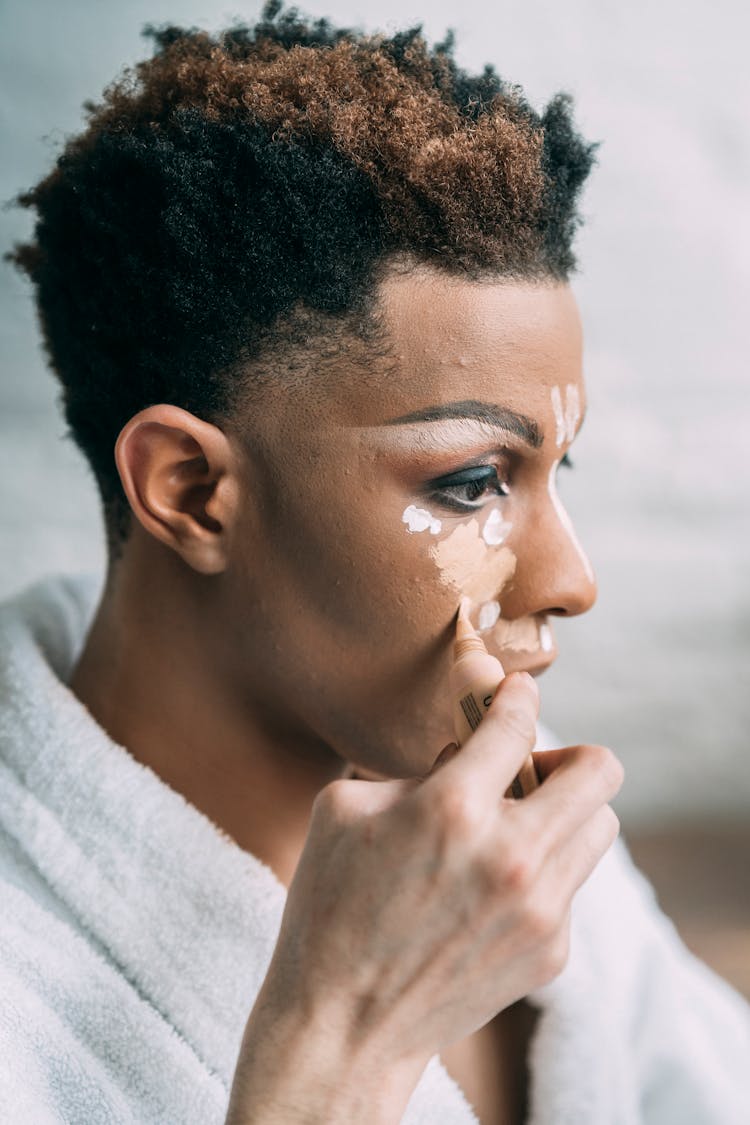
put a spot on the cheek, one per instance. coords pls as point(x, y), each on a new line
point(361, 566)
point(470, 561)
point(474, 562)
point(471, 567)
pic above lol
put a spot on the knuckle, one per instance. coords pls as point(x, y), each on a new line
point(606, 765)
point(541, 920)
point(612, 824)
point(516, 871)
point(332, 801)
point(554, 957)
point(459, 814)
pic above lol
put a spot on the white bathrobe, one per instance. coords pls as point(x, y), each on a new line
point(134, 937)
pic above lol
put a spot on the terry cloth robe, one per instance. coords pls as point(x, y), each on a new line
point(135, 935)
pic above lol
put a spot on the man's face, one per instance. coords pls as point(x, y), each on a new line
point(375, 503)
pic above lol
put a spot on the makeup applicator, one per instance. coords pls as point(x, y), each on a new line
point(474, 679)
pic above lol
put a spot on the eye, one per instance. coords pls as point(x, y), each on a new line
point(461, 491)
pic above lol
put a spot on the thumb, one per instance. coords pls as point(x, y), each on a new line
point(444, 756)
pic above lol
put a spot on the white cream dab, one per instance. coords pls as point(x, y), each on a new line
point(545, 638)
point(419, 519)
point(488, 615)
point(566, 417)
point(572, 410)
point(565, 520)
point(496, 529)
point(557, 406)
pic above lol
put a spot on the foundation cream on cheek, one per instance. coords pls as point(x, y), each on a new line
point(472, 561)
point(476, 563)
point(470, 566)
point(474, 679)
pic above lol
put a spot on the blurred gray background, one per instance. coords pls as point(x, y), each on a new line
point(659, 669)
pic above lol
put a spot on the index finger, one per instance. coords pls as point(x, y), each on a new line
point(491, 758)
point(576, 782)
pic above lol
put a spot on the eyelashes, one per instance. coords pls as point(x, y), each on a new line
point(461, 491)
point(467, 490)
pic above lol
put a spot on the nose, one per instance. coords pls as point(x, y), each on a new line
point(553, 573)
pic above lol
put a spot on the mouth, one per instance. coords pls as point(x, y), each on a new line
point(523, 645)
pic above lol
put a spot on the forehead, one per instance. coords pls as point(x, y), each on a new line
point(504, 342)
point(448, 340)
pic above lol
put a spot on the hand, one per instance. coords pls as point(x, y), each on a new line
point(419, 910)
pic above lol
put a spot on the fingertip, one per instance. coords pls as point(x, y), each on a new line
point(518, 681)
point(517, 689)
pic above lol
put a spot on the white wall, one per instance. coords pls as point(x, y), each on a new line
point(660, 668)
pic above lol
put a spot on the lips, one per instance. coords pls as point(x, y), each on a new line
point(523, 645)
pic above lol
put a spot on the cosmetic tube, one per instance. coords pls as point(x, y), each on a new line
point(474, 679)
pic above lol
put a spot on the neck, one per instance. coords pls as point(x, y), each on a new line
point(153, 675)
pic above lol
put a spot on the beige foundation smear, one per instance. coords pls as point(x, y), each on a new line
point(480, 572)
point(521, 636)
point(470, 566)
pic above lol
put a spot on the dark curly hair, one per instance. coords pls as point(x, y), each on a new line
point(239, 194)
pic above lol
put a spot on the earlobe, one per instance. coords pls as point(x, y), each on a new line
point(179, 475)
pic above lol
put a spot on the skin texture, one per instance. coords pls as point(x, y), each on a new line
point(273, 619)
point(275, 623)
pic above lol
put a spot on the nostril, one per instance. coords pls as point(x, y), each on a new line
point(558, 611)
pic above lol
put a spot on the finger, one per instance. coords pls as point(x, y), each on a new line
point(577, 781)
point(580, 856)
point(491, 758)
point(444, 756)
point(547, 761)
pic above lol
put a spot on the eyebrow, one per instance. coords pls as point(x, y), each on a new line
point(499, 417)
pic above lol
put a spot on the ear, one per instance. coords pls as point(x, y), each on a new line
point(180, 475)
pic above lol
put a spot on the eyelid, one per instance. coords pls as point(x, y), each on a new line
point(484, 474)
point(470, 473)
point(498, 459)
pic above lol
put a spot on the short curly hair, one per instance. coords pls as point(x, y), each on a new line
point(235, 180)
